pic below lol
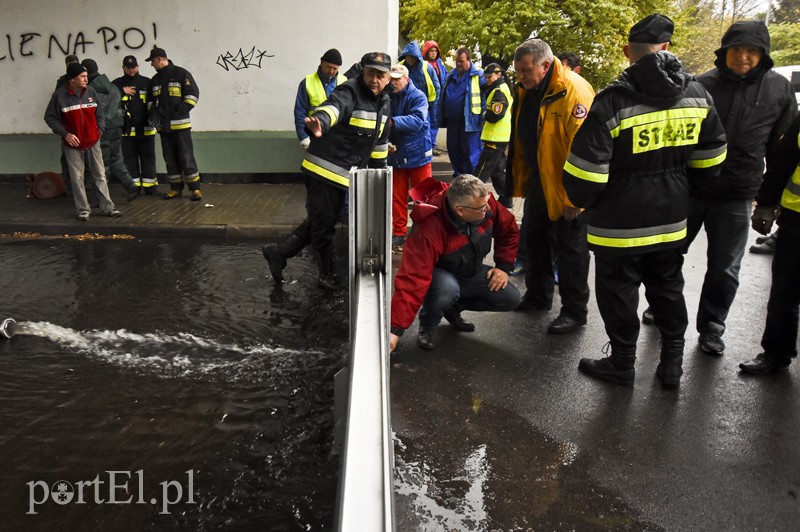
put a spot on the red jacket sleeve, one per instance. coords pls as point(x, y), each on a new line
point(421, 253)
point(506, 236)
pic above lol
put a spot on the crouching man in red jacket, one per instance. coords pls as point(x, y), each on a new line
point(442, 269)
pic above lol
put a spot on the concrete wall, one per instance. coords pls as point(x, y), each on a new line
point(247, 57)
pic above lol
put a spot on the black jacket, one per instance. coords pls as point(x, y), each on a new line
point(782, 163)
point(631, 159)
point(755, 109)
point(135, 106)
point(174, 94)
point(355, 133)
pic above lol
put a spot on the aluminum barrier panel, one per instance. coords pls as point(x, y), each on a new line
point(366, 487)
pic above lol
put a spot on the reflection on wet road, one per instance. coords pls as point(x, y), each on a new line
point(486, 468)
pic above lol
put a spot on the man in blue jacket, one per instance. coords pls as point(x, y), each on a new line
point(412, 153)
point(462, 113)
point(424, 77)
point(315, 89)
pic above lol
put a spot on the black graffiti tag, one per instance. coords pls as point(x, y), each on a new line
point(32, 43)
point(242, 59)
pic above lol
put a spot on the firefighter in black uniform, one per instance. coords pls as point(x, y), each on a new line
point(349, 129)
point(138, 136)
point(647, 134)
point(781, 186)
point(174, 94)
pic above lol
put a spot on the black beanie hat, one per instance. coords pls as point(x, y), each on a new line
point(332, 56)
point(74, 70)
point(91, 66)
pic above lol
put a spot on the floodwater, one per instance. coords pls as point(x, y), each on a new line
point(165, 386)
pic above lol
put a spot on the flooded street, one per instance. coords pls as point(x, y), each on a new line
point(168, 385)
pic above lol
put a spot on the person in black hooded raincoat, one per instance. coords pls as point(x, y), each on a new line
point(756, 106)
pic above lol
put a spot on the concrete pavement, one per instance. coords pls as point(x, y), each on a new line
point(253, 210)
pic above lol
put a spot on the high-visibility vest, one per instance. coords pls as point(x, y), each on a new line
point(475, 95)
point(499, 131)
point(790, 199)
point(315, 90)
point(428, 80)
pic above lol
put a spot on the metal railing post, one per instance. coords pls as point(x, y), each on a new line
point(366, 486)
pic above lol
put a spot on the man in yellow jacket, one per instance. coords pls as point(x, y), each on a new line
point(550, 105)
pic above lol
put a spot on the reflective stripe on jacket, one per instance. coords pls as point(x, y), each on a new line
point(473, 101)
point(136, 106)
point(498, 114)
point(632, 159)
point(78, 114)
point(422, 74)
point(316, 91)
point(790, 199)
point(174, 93)
point(354, 133)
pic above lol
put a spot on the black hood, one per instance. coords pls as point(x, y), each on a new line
point(658, 78)
point(745, 33)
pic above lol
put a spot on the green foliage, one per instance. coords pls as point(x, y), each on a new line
point(786, 11)
point(594, 29)
point(785, 43)
point(697, 34)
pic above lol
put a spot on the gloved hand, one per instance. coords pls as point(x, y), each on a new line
point(305, 143)
point(763, 218)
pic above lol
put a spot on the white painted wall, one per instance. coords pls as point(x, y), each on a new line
point(281, 39)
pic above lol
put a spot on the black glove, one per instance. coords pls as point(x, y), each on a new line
point(763, 218)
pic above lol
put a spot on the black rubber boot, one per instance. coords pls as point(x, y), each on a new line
point(277, 254)
point(670, 368)
point(617, 368)
point(327, 277)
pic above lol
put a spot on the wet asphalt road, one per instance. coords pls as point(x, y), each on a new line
point(497, 429)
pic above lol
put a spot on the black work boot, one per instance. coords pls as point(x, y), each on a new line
point(277, 254)
point(132, 192)
point(457, 322)
point(327, 277)
point(617, 368)
point(669, 370)
point(426, 338)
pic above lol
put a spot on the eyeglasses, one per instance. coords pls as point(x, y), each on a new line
point(480, 209)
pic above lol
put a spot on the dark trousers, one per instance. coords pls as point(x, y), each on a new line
point(463, 148)
point(617, 281)
point(492, 165)
point(111, 144)
point(565, 241)
point(324, 202)
point(139, 153)
point(178, 152)
point(65, 172)
point(780, 333)
point(727, 225)
point(446, 290)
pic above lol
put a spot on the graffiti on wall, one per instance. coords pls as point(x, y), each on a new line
point(242, 60)
point(16, 47)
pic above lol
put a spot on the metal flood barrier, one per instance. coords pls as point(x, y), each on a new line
point(366, 486)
